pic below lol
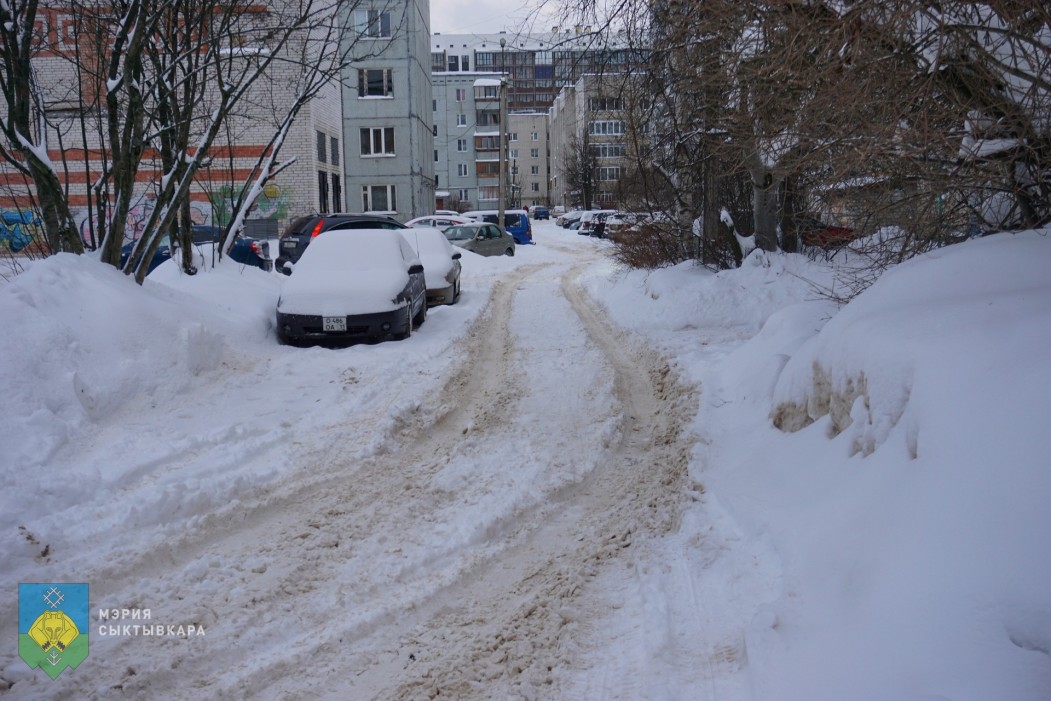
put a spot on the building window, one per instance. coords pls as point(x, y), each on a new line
point(608, 173)
point(372, 23)
point(605, 104)
point(461, 170)
point(483, 58)
point(454, 63)
point(534, 153)
point(608, 150)
point(535, 136)
point(435, 155)
point(377, 141)
point(534, 170)
point(375, 82)
point(434, 105)
point(322, 190)
point(322, 140)
point(465, 63)
point(463, 195)
point(606, 128)
point(337, 194)
point(534, 187)
point(512, 136)
point(514, 153)
point(461, 145)
point(461, 94)
point(333, 143)
point(461, 120)
point(378, 198)
point(435, 129)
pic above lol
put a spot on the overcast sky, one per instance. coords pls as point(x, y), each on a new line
point(490, 16)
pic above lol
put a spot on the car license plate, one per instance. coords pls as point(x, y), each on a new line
point(288, 244)
point(334, 323)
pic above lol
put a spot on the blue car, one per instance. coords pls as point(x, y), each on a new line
point(516, 223)
point(246, 250)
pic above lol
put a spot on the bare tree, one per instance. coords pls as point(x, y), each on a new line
point(579, 168)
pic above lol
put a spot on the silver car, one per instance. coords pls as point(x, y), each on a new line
point(482, 238)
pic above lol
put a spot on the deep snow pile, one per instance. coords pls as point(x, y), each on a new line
point(908, 509)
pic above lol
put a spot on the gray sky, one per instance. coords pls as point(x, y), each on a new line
point(489, 16)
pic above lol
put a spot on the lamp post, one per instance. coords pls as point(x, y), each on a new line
point(503, 134)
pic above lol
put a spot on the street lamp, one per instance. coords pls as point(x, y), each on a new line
point(503, 135)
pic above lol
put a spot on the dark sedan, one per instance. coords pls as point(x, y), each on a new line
point(246, 250)
point(299, 234)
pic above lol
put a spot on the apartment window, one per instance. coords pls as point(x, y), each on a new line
point(378, 198)
point(375, 82)
point(535, 136)
point(337, 194)
point(608, 150)
point(435, 130)
point(333, 143)
point(322, 140)
point(605, 104)
point(534, 187)
point(465, 63)
point(372, 23)
point(483, 58)
point(461, 170)
point(463, 195)
point(377, 141)
point(534, 153)
point(606, 128)
point(454, 63)
point(608, 173)
point(435, 155)
point(512, 136)
point(514, 153)
point(461, 145)
point(461, 120)
point(434, 105)
point(461, 94)
point(322, 190)
point(534, 170)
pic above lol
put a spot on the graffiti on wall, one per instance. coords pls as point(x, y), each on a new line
point(18, 229)
point(272, 203)
point(138, 216)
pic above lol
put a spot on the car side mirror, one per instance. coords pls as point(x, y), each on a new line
point(480, 237)
point(456, 256)
point(415, 269)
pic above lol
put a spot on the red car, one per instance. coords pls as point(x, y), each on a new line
point(813, 232)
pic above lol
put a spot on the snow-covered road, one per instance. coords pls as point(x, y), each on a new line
point(438, 534)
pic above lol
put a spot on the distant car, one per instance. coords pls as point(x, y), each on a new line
point(441, 263)
point(301, 231)
point(246, 249)
point(362, 285)
point(589, 219)
point(438, 221)
point(481, 238)
point(814, 232)
point(516, 222)
point(569, 218)
point(446, 211)
point(541, 213)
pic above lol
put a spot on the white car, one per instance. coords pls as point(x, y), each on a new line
point(438, 221)
point(363, 285)
point(441, 263)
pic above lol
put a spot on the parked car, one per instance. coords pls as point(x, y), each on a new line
point(481, 238)
point(516, 222)
point(567, 219)
point(298, 235)
point(541, 213)
point(441, 263)
point(362, 285)
point(246, 250)
point(588, 219)
point(439, 221)
point(814, 232)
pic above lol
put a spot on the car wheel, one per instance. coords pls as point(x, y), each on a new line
point(456, 292)
point(509, 252)
point(408, 323)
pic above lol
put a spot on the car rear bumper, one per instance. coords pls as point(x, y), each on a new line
point(305, 328)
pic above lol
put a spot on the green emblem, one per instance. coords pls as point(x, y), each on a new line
point(53, 626)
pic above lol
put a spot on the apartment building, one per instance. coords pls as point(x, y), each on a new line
point(387, 124)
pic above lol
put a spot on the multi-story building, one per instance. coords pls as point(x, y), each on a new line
point(387, 126)
point(528, 158)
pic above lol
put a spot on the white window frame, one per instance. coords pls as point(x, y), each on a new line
point(461, 145)
point(384, 134)
point(363, 83)
point(461, 170)
point(368, 196)
point(372, 24)
point(461, 120)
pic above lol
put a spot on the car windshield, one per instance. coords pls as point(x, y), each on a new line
point(461, 233)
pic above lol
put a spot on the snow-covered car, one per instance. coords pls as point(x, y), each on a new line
point(569, 218)
point(363, 285)
point(441, 263)
point(301, 231)
point(482, 238)
point(439, 221)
